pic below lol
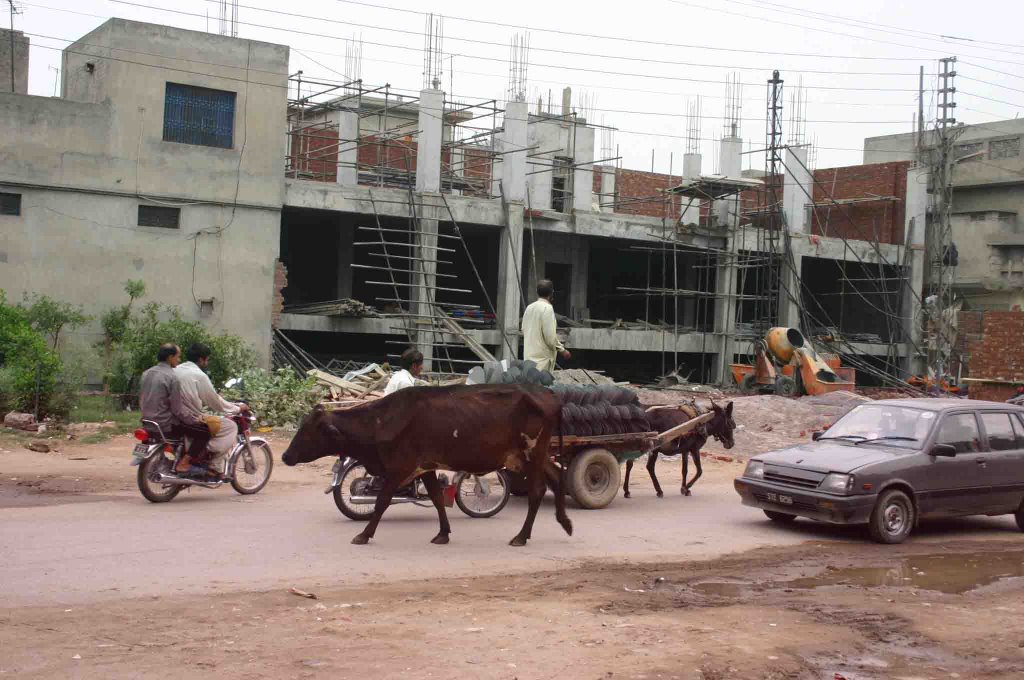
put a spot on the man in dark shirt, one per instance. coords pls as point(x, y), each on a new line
point(158, 390)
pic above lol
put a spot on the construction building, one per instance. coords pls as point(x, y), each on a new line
point(262, 202)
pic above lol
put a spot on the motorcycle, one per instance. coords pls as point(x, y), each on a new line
point(247, 468)
point(355, 491)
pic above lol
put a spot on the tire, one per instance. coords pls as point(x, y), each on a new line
point(248, 482)
point(351, 474)
point(749, 384)
point(495, 489)
point(785, 386)
point(152, 491)
point(1019, 516)
point(892, 518)
point(594, 478)
point(780, 517)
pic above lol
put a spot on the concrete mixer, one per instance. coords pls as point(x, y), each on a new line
point(786, 364)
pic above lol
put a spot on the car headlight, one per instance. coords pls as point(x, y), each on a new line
point(835, 482)
point(755, 470)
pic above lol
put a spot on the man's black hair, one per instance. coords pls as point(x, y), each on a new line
point(197, 351)
point(411, 357)
point(545, 288)
point(166, 351)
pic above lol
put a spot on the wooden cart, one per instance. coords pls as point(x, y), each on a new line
point(593, 464)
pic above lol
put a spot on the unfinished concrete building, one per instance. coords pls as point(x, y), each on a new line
point(293, 197)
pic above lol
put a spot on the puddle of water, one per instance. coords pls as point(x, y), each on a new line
point(944, 573)
point(731, 589)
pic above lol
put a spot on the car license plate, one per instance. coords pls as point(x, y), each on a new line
point(781, 499)
point(140, 450)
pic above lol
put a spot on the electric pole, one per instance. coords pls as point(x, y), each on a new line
point(13, 12)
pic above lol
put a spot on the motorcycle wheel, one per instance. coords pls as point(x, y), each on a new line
point(352, 475)
point(148, 476)
point(252, 469)
point(482, 496)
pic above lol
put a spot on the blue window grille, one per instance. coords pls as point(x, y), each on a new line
point(197, 115)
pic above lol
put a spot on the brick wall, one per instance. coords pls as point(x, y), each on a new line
point(997, 355)
point(280, 283)
point(314, 153)
point(641, 193)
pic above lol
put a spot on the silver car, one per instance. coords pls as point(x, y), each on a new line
point(889, 464)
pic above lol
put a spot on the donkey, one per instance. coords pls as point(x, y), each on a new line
point(720, 427)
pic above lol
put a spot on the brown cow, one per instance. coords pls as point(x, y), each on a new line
point(413, 432)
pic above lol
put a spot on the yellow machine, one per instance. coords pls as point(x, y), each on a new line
point(785, 363)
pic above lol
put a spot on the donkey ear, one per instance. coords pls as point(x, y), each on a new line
point(728, 409)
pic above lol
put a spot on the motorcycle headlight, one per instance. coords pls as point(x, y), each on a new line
point(835, 482)
point(755, 470)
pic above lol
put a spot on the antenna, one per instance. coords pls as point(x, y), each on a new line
point(518, 61)
point(15, 9)
point(433, 66)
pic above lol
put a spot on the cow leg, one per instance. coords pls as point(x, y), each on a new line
point(554, 476)
point(652, 460)
point(383, 502)
point(625, 484)
point(434, 489)
point(535, 482)
point(696, 462)
point(686, 469)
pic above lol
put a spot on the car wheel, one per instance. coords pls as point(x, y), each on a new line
point(1020, 517)
point(780, 517)
point(892, 518)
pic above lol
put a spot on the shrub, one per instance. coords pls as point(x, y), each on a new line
point(280, 397)
point(28, 365)
point(50, 317)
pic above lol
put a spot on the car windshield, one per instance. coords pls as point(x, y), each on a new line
point(885, 425)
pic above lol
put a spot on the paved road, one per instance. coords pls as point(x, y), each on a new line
point(119, 546)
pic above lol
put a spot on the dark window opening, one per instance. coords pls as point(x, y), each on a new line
point(197, 115)
point(10, 204)
point(861, 302)
point(159, 216)
point(560, 275)
point(560, 174)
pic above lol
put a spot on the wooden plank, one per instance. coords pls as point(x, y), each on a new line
point(682, 428)
point(453, 326)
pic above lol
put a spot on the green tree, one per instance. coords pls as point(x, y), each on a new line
point(29, 368)
point(50, 317)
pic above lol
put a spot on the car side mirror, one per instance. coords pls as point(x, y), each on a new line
point(946, 450)
point(815, 436)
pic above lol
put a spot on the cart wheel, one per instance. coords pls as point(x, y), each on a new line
point(749, 384)
point(594, 478)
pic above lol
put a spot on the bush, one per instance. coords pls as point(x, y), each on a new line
point(145, 331)
point(280, 397)
point(27, 365)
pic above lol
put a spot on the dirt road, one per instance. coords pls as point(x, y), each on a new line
point(95, 582)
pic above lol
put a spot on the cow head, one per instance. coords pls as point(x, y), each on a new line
point(318, 436)
point(722, 425)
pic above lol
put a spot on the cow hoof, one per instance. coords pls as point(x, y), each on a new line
point(440, 539)
point(360, 540)
point(685, 492)
point(517, 542)
point(661, 494)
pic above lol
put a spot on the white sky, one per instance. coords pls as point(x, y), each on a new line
point(620, 80)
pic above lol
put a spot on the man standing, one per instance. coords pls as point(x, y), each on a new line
point(196, 391)
point(412, 366)
point(540, 339)
point(158, 400)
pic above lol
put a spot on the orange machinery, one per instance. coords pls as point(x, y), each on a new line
point(784, 362)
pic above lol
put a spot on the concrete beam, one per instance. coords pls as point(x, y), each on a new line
point(731, 165)
point(691, 170)
point(511, 143)
point(583, 173)
point(510, 255)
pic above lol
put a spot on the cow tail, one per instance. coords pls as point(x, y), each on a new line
point(561, 452)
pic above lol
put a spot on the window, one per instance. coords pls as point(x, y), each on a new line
point(560, 176)
point(999, 430)
point(962, 432)
point(197, 115)
point(159, 216)
point(962, 150)
point(1004, 148)
point(10, 204)
point(1018, 429)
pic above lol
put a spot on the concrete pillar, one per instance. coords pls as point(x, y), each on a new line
point(725, 312)
point(346, 237)
point(348, 148)
point(731, 161)
point(797, 191)
point(428, 149)
point(512, 143)
point(789, 292)
point(691, 170)
point(607, 188)
point(583, 172)
point(423, 294)
point(914, 233)
point(510, 255)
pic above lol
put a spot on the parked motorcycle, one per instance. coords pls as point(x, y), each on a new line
point(355, 491)
point(247, 467)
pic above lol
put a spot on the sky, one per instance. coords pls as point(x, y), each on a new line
point(640, 64)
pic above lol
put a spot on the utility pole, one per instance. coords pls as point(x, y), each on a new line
point(13, 12)
point(941, 248)
point(774, 180)
point(920, 115)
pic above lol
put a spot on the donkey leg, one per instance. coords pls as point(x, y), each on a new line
point(625, 484)
point(686, 469)
point(433, 485)
point(652, 460)
point(696, 462)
